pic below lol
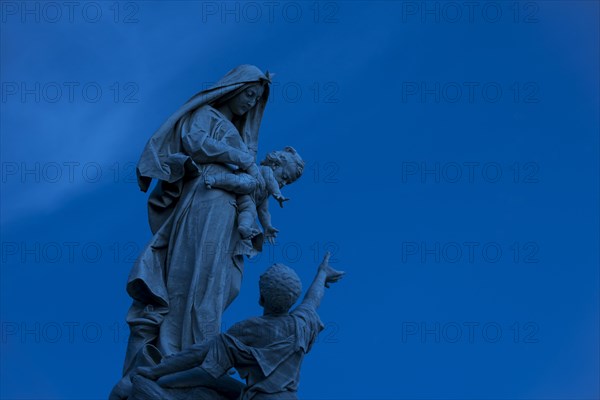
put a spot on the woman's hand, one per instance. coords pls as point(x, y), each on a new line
point(147, 372)
point(255, 172)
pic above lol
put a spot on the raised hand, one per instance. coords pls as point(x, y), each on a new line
point(331, 275)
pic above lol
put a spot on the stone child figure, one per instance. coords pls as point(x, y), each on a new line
point(267, 351)
point(278, 169)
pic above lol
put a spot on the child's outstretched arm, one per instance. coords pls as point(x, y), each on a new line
point(325, 276)
point(273, 186)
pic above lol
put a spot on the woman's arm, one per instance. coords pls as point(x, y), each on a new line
point(241, 183)
point(200, 141)
point(184, 360)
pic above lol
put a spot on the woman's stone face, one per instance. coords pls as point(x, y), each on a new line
point(243, 102)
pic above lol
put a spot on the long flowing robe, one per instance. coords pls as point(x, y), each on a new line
point(191, 269)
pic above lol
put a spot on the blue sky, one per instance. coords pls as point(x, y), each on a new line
point(452, 167)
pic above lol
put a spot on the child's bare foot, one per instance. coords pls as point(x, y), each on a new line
point(245, 231)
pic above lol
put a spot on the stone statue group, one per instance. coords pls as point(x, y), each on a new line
point(203, 214)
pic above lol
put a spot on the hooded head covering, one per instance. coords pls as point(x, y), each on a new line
point(163, 158)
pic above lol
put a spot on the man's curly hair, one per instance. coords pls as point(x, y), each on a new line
point(280, 287)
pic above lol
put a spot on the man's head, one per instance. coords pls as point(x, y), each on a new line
point(279, 287)
point(287, 165)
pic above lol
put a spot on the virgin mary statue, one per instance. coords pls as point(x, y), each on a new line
point(191, 269)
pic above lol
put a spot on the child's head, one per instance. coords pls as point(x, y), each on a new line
point(279, 287)
point(287, 165)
